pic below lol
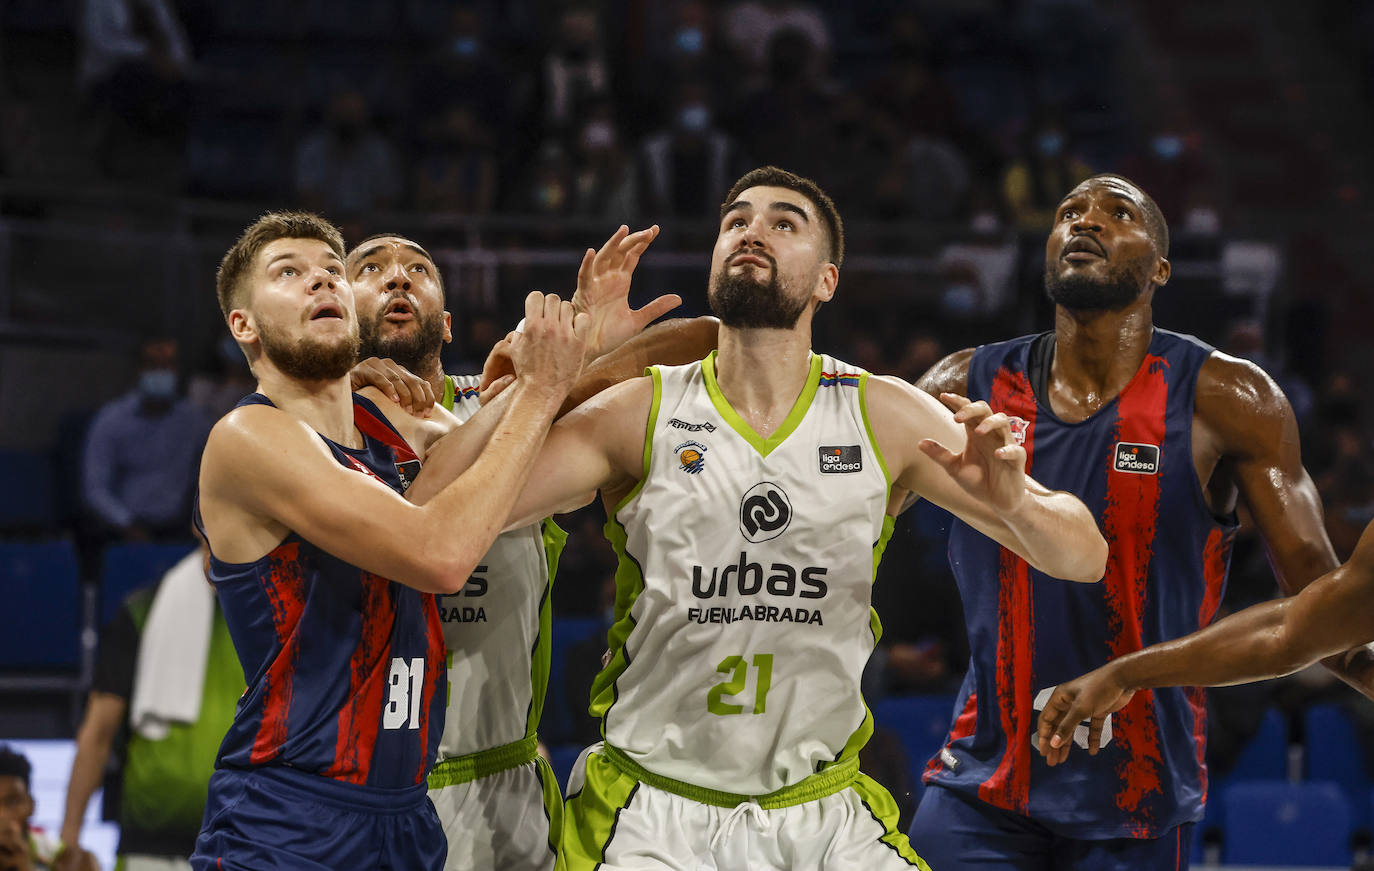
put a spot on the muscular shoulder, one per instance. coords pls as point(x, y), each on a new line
point(950, 375)
point(1241, 404)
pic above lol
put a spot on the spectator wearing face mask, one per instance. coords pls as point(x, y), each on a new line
point(683, 165)
point(1035, 181)
point(142, 452)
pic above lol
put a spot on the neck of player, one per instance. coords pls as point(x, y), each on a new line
point(762, 372)
point(326, 406)
point(1097, 353)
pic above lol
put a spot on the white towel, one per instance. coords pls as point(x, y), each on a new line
point(170, 673)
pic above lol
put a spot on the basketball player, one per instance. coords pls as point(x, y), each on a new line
point(1158, 434)
point(1332, 615)
point(497, 799)
point(330, 609)
point(749, 503)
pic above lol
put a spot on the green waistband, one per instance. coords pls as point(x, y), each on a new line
point(463, 769)
point(827, 782)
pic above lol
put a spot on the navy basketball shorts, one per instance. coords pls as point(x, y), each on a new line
point(952, 832)
point(277, 818)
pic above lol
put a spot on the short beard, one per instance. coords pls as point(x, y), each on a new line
point(308, 358)
point(743, 302)
point(1079, 293)
point(414, 352)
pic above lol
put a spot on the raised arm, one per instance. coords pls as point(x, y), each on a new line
point(266, 473)
point(969, 463)
point(1332, 614)
point(1252, 423)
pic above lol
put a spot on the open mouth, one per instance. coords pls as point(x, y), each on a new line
point(327, 310)
point(1082, 249)
point(399, 311)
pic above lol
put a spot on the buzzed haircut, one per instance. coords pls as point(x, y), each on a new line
point(375, 236)
point(1155, 224)
point(238, 261)
point(772, 176)
point(14, 764)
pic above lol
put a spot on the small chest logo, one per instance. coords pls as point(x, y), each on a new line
point(765, 512)
point(691, 427)
point(691, 457)
point(1019, 428)
point(407, 470)
point(1136, 458)
point(839, 459)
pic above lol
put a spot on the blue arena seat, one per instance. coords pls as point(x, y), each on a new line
point(41, 581)
point(1277, 823)
point(921, 721)
point(126, 566)
point(1334, 754)
point(1265, 756)
point(26, 491)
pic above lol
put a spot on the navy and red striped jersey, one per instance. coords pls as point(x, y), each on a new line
point(345, 669)
point(1131, 463)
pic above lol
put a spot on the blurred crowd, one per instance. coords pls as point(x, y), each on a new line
point(973, 117)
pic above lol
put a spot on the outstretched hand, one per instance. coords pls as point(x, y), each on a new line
point(1091, 697)
point(992, 466)
point(603, 291)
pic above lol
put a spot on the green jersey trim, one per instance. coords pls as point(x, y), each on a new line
point(860, 736)
point(872, 439)
point(629, 583)
point(555, 538)
point(833, 779)
point(464, 769)
point(794, 417)
point(657, 377)
point(449, 393)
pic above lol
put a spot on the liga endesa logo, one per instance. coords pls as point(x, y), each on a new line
point(1138, 459)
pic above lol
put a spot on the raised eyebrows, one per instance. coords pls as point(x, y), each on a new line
point(285, 255)
point(359, 256)
point(740, 205)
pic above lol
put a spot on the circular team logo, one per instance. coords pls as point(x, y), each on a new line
point(691, 457)
point(764, 512)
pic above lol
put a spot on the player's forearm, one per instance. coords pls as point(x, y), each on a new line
point(455, 453)
point(1058, 536)
point(466, 515)
point(93, 742)
point(668, 343)
point(1257, 643)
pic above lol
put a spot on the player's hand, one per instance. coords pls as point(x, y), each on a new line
point(1091, 697)
point(500, 362)
point(14, 847)
point(549, 354)
point(402, 386)
point(992, 466)
point(603, 291)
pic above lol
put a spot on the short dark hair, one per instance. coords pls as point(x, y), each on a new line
point(15, 764)
point(375, 236)
point(773, 176)
point(229, 281)
point(1155, 224)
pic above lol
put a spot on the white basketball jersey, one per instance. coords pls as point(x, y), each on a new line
point(496, 630)
point(746, 566)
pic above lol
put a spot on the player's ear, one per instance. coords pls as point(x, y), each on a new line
point(242, 326)
point(448, 328)
point(1162, 272)
point(826, 282)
